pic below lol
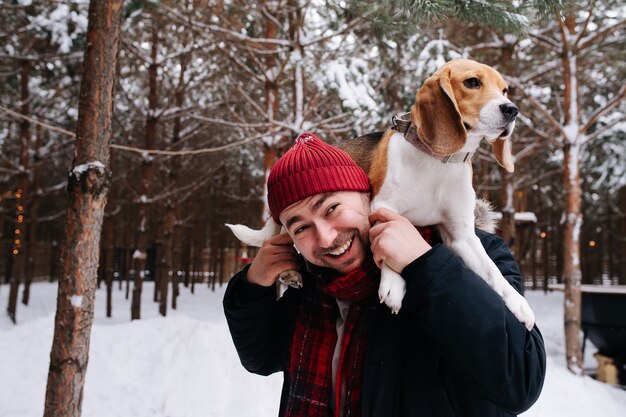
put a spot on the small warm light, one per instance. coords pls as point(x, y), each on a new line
point(17, 241)
point(18, 231)
point(20, 220)
point(18, 195)
point(543, 235)
point(20, 208)
point(592, 243)
point(18, 191)
point(15, 251)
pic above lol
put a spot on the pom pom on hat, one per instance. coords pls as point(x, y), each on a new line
point(311, 167)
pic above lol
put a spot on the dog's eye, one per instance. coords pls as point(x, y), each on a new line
point(472, 83)
point(505, 91)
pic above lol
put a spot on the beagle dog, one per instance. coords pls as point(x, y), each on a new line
point(421, 169)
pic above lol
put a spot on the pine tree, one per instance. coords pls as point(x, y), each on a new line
point(87, 193)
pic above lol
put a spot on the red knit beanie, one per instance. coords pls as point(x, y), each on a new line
point(311, 167)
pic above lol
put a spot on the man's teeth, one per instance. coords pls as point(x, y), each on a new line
point(342, 249)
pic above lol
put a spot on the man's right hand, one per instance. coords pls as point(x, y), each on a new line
point(275, 256)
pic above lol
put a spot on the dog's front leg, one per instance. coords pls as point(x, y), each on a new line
point(464, 242)
point(392, 288)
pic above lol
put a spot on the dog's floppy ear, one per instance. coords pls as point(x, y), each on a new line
point(437, 116)
point(502, 151)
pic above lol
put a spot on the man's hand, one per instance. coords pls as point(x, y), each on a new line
point(275, 256)
point(394, 240)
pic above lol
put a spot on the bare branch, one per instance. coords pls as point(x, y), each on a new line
point(583, 30)
point(614, 101)
point(601, 34)
point(230, 33)
point(229, 123)
point(136, 51)
point(601, 131)
point(528, 123)
point(539, 106)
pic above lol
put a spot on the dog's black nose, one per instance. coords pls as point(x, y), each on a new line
point(509, 110)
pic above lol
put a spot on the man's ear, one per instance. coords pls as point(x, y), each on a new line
point(437, 116)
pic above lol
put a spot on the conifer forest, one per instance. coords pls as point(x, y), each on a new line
point(132, 131)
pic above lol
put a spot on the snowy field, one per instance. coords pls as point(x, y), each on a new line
point(185, 365)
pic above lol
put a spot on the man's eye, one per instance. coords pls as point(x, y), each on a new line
point(472, 83)
point(300, 230)
point(332, 208)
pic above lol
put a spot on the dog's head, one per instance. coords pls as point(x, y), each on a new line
point(462, 97)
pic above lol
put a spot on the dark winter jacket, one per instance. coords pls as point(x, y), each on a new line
point(453, 350)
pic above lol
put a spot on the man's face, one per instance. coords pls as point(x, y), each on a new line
point(330, 229)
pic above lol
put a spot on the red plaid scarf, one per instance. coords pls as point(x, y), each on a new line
point(314, 340)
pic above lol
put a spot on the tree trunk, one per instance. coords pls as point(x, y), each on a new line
point(19, 244)
point(508, 211)
point(54, 262)
point(174, 207)
point(31, 237)
point(272, 95)
point(108, 249)
point(508, 186)
point(141, 251)
point(295, 28)
point(622, 242)
point(572, 274)
point(168, 270)
point(87, 189)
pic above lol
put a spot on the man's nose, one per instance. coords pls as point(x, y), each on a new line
point(326, 234)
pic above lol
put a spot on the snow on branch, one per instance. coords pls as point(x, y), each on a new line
point(80, 170)
point(546, 42)
point(347, 27)
point(216, 28)
point(539, 106)
point(600, 34)
point(614, 101)
point(228, 122)
point(605, 129)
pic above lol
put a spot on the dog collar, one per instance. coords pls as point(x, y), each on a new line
point(402, 123)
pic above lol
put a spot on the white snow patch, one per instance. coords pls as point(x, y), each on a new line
point(185, 365)
point(522, 216)
point(76, 301)
point(82, 168)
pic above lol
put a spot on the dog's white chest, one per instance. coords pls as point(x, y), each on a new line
point(422, 188)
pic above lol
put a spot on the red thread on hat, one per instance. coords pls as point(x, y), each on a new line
point(311, 167)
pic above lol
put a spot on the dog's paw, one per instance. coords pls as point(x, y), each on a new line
point(391, 290)
point(520, 309)
point(291, 278)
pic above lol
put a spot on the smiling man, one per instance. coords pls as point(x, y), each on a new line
point(454, 349)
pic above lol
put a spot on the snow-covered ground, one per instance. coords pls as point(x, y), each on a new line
point(185, 365)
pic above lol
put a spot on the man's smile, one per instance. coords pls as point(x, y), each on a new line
point(342, 249)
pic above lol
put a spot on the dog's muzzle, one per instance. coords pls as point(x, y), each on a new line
point(509, 111)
